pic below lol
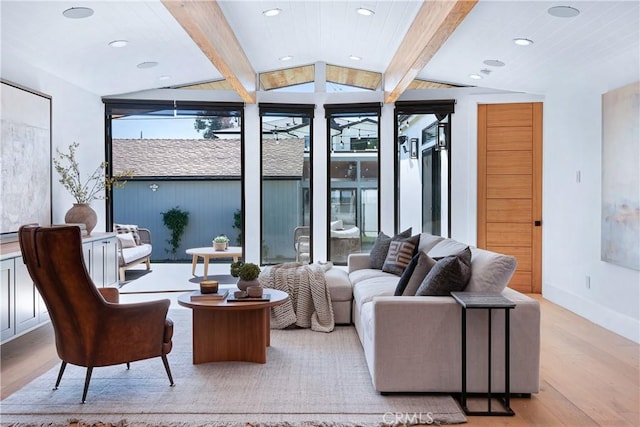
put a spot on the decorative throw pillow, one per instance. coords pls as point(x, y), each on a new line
point(413, 274)
point(423, 267)
point(126, 240)
point(378, 253)
point(400, 253)
point(450, 274)
point(128, 228)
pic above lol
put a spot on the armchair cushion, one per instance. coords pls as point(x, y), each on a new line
point(126, 240)
point(128, 228)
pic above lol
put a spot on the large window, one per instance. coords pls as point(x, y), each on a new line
point(184, 155)
point(353, 138)
point(423, 166)
point(286, 174)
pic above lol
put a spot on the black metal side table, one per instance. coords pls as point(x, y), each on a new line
point(485, 301)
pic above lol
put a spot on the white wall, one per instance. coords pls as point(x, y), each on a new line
point(572, 214)
point(77, 116)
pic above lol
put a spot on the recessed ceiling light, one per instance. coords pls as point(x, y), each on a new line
point(354, 57)
point(149, 64)
point(523, 42)
point(272, 12)
point(563, 11)
point(164, 77)
point(118, 43)
point(365, 12)
point(286, 58)
point(493, 63)
point(475, 76)
point(78, 12)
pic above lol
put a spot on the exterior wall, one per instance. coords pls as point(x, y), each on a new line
point(210, 204)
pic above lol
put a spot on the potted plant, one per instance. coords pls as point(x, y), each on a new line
point(247, 272)
point(221, 242)
point(85, 191)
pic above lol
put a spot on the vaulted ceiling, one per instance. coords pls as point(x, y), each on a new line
point(233, 44)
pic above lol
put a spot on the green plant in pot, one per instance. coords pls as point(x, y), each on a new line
point(247, 273)
point(221, 242)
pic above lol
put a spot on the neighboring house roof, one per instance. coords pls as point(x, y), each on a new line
point(203, 157)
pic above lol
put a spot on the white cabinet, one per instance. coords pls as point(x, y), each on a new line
point(101, 260)
point(22, 307)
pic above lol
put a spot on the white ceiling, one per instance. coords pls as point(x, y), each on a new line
point(602, 42)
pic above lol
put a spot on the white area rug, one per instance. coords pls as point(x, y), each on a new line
point(310, 379)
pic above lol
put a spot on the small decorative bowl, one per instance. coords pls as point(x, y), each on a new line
point(254, 291)
point(209, 286)
point(240, 294)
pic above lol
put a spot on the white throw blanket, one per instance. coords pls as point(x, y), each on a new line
point(309, 303)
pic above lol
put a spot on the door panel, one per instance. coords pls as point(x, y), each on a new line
point(509, 138)
point(509, 210)
point(509, 162)
point(510, 187)
point(509, 115)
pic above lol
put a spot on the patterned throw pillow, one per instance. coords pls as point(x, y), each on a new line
point(378, 253)
point(400, 254)
point(450, 274)
point(128, 228)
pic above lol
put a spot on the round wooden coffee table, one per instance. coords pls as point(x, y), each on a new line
point(209, 252)
point(225, 330)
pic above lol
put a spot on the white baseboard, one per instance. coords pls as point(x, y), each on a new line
point(616, 322)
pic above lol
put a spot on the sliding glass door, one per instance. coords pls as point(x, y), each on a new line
point(286, 191)
point(353, 177)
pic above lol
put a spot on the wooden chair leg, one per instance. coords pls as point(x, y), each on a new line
point(148, 263)
point(168, 369)
point(121, 274)
point(62, 366)
point(86, 383)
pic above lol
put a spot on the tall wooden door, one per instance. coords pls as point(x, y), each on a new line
point(510, 187)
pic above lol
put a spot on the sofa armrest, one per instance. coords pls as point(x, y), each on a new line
point(357, 262)
point(429, 328)
point(145, 235)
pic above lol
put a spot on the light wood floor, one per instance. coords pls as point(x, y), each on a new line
point(589, 376)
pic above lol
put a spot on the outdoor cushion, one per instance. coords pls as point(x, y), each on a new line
point(135, 253)
point(126, 240)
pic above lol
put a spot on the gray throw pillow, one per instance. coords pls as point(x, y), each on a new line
point(423, 267)
point(406, 275)
point(378, 253)
point(400, 253)
point(450, 274)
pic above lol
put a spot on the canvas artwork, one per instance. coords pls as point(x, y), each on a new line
point(25, 136)
point(621, 176)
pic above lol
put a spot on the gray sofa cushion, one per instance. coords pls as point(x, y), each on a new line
point(380, 248)
point(423, 267)
point(446, 247)
point(428, 241)
point(490, 271)
point(414, 274)
point(451, 273)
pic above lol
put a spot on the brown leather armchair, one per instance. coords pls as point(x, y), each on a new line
point(91, 328)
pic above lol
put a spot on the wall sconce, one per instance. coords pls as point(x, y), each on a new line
point(442, 143)
point(414, 148)
point(154, 187)
point(402, 142)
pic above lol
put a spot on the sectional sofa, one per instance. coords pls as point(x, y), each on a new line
point(413, 343)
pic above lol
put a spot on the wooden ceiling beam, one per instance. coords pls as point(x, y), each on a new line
point(434, 23)
point(206, 25)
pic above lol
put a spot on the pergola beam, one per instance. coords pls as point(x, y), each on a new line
point(206, 25)
point(433, 25)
